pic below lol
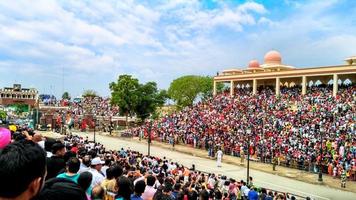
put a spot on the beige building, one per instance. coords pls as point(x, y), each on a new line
point(274, 73)
point(18, 95)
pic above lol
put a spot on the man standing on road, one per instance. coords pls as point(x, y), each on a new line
point(275, 162)
point(242, 155)
point(343, 179)
point(219, 156)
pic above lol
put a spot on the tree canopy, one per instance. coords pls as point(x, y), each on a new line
point(90, 93)
point(124, 94)
point(135, 98)
point(186, 89)
point(3, 115)
point(149, 99)
point(66, 96)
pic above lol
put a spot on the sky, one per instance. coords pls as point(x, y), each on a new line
point(72, 46)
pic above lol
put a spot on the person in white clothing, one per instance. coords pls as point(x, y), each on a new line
point(219, 157)
point(95, 170)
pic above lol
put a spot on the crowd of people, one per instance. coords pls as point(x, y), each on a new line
point(311, 132)
point(98, 106)
point(77, 112)
point(37, 168)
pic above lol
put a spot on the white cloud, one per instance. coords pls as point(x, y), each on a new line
point(93, 40)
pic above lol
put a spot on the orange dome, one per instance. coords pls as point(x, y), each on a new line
point(253, 64)
point(273, 57)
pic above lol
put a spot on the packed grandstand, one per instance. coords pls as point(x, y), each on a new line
point(292, 127)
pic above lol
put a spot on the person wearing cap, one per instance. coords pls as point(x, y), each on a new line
point(95, 169)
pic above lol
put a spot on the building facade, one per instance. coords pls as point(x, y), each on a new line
point(18, 95)
point(276, 74)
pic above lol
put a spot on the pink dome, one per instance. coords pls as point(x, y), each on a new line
point(273, 57)
point(253, 64)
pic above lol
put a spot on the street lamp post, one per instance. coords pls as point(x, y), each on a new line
point(149, 137)
point(94, 129)
point(248, 131)
point(321, 132)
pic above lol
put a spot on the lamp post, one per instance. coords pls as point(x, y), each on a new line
point(248, 131)
point(149, 137)
point(94, 117)
point(321, 132)
point(62, 124)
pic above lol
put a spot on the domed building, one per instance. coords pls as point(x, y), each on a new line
point(273, 62)
point(273, 57)
point(253, 67)
point(273, 72)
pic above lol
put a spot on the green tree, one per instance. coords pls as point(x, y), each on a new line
point(149, 99)
point(90, 93)
point(66, 96)
point(3, 115)
point(124, 93)
point(186, 89)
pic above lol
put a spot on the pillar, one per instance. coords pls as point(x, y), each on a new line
point(335, 85)
point(304, 85)
point(214, 89)
point(231, 88)
point(254, 86)
point(278, 86)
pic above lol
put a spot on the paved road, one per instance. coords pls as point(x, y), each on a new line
point(238, 172)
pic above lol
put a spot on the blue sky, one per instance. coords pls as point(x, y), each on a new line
point(87, 44)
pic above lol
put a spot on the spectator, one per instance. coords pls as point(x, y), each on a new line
point(97, 193)
point(22, 170)
point(84, 181)
point(138, 190)
point(56, 163)
point(149, 189)
point(38, 138)
point(85, 164)
point(95, 170)
point(124, 188)
point(60, 189)
point(72, 169)
point(252, 194)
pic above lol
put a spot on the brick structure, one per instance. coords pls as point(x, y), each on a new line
point(18, 95)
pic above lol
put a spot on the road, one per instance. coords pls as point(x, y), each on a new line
point(261, 179)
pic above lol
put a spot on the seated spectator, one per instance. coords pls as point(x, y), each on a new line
point(22, 170)
point(72, 169)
